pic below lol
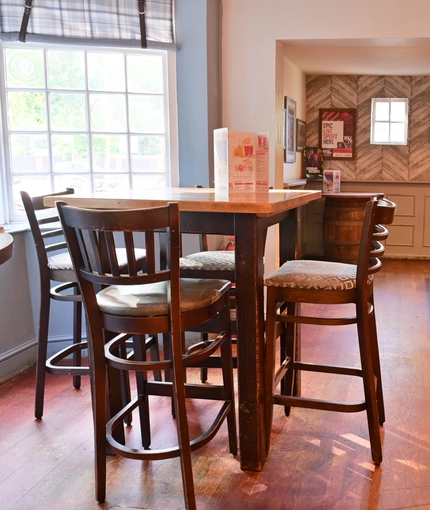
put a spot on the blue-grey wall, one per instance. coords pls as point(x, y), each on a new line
point(198, 35)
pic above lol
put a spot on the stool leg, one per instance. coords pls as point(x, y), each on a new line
point(139, 346)
point(42, 349)
point(183, 432)
point(227, 372)
point(167, 347)
point(155, 356)
point(99, 401)
point(270, 356)
point(376, 364)
point(77, 338)
point(125, 384)
point(288, 349)
point(363, 328)
point(204, 370)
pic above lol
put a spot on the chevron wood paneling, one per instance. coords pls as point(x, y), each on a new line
point(398, 86)
point(369, 157)
point(395, 163)
point(375, 162)
point(396, 157)
point(344, 91)
point(370, 163)
point(419, 130)
point(318, 95)
point(369, 87)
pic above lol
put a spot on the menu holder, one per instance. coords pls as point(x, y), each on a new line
point(241, 161)
point(331, 181)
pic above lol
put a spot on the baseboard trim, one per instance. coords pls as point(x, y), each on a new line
point(22, 357)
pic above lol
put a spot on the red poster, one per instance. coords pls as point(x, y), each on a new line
point(337, 133)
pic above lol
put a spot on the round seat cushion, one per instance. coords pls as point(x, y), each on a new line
point(209, 261)
point(314, 275)
point(151, 300)
point(61, 267)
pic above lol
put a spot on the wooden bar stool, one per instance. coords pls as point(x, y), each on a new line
point(142, 303)
point(55, 265)
point(212, 264)
point(336, 284)
point(208, 263)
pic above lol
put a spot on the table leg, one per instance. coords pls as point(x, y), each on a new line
point(249, 249)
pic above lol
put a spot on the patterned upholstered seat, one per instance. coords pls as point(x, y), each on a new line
point(61, 267)
point(209, 261)
point(314, 275)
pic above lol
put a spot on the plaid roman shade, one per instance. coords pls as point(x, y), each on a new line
point(101, 22)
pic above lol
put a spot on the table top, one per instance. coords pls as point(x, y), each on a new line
point(6, 247)
point(353, 194)
point(193, 200)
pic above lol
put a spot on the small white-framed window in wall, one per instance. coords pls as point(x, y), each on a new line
point(389, 121)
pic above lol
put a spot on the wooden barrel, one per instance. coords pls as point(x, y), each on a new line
point(342, 225)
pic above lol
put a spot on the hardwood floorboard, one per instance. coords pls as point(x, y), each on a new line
point(318, 460)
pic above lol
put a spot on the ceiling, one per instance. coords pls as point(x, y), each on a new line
point(397, 57)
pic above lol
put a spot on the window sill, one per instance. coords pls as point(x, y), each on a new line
point(15, 228)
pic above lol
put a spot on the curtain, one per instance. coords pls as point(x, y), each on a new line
point(100, 22)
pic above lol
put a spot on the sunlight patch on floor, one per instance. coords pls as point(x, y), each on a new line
point(357, 440)
point(259, 487)
point(336, 451)
point(254, 489)
point(368, 465)
point(412, 464)
point(342, 445)
point(363, 475)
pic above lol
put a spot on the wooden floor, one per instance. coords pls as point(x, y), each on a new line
point(318, 460)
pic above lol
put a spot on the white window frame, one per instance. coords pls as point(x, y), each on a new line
point(171, 121)
point(390, 122)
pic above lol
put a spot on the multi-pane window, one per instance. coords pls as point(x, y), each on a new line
point(389, 121)
point(93, 119)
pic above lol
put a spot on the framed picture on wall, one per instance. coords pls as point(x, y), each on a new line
point(290, 130)
point(337, 132)
point(301, 135)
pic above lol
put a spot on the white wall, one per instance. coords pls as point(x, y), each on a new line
point(289, 81)
point(251, 29)
point(294, 86)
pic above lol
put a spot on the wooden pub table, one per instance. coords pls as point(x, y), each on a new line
point(246, 216)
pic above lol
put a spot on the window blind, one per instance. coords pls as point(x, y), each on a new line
point(100, 22)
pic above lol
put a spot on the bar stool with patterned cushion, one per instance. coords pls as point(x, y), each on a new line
point(55, 265)
point(213, 264)
point(302, 283)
